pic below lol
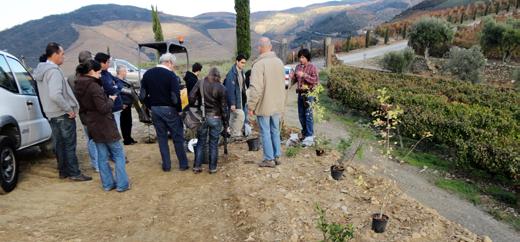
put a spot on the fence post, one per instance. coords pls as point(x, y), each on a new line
point(284, 50)
point(328, 51)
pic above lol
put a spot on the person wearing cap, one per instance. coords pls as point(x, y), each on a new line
point(160, 92)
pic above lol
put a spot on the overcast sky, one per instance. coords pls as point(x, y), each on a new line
point(20, 11)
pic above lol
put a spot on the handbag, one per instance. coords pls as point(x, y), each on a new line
point(195, 117)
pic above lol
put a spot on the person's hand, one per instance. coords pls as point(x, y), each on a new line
point(125, 106)
point(233, 108)
point(113, 97)
point(291, 75)
point(300, 74)
point(71, 114)
point(251, 113)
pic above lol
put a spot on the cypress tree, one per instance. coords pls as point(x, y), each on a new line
point(462, 17)
point(243, 31)
point(497, 8)
point(386, 36)
point(517, 4)
point(486, 11)
point(404, 31)
point(156, 25)
point(367, 39)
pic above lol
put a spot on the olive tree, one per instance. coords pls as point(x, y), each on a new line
point(431, 36)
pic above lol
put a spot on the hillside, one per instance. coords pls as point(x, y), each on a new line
point(429, 5)
point(209, 36)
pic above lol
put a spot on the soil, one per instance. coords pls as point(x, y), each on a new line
point(241, 202)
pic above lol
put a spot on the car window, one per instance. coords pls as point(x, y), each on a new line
point(22, 75)
point(128, 65)
point(6, 76)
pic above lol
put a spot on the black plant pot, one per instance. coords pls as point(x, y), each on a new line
point(379, 223)
point(253, 144)
point(320, 152)
point(337, 172)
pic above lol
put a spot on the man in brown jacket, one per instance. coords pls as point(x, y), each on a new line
point(266, 99)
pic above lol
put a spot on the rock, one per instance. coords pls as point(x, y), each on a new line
point(416, 235)
point(250, 238)
point(465, 239)
point(344, 209)
point(486, 239)
point(350, 170)
point(275, 175)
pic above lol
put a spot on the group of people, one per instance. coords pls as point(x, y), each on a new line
point(103, 103)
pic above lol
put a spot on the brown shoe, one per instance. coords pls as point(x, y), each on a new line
point(267, 163)
point(277, 161)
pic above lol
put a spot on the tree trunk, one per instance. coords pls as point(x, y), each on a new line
point(429, 64)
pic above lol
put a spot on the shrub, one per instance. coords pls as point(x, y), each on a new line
point(516, 76)
point(481, 123)
point(431, 33)
point(333, 232)
point(502, 36)
point(398, 61)
point(466, 64)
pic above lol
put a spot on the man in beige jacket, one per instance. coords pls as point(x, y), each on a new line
point(266, 97)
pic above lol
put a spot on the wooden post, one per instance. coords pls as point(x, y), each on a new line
point(284, 50)
point(328, 52)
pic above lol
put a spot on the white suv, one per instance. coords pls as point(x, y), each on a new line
point(22, 123)
point(133, 72)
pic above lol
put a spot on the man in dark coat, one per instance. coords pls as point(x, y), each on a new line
point(236, 96)
point(160, 91)
point(192, 76)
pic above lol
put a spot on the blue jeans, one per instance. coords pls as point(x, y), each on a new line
point(92, 150)
point(166, 119)
point(214, 127)
point(64, 140)
point(270, 133)
point(117, 117)
point(305, 115)
point(115, 149)
point(246, 115)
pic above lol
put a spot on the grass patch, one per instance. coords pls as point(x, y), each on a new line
point(506, 217)
point(354, 123)
point(292, 151)
point(421, 159)
point(502, 195)
point(462, 188)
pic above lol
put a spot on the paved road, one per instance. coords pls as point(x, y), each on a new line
point(370, 53)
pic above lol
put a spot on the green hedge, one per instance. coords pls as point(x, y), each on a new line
point(481, 122)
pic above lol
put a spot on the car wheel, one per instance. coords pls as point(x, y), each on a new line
point(8, 166)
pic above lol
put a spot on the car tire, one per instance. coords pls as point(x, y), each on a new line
point(8, 165)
